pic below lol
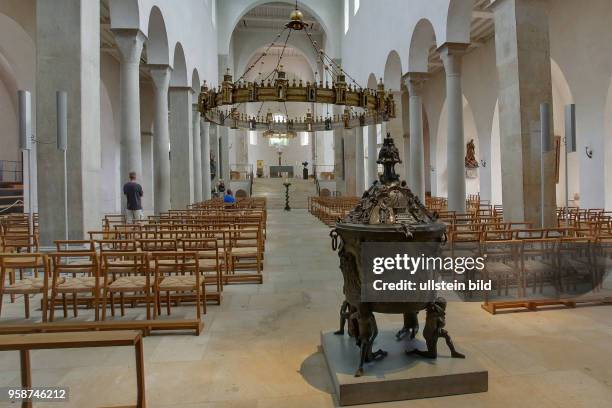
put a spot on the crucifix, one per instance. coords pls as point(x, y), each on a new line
point(280, 155)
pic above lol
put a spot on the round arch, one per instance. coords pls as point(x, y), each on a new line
point(393, 72)
point(179, 72)
point(423, 37)
point(372, 81)
point(458, 21)
point(158, 51)
point(255, 3)
point(608, 148)
point(243, 64)
point(472, 186)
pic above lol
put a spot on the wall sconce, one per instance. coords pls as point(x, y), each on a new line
point(588, 151)
point(483, 163)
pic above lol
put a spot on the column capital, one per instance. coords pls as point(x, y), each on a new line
point(129, 42)
point(160, 73)
point(453, 48)
point(451, 54)
point(415, 82)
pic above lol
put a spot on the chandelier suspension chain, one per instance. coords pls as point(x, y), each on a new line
point(275, 85)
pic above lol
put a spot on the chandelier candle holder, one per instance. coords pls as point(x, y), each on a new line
point(362, 106)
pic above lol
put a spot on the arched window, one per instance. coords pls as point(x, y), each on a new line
point(304, 138)
point(355, 7)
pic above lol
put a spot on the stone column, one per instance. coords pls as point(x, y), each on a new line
point(205, 148)
point(214, 149)
point(181, 147)
point(522, 49)
point(161, 138)
point(350, 163)
point(417, 155)
point(146, 179)
point(451, 56)
point(130, 42)
point(339, 162)
point(359, 161)
point(68, 58)
point(372, 156)
point(405, 155)
point(197, 155)
point(224, 154)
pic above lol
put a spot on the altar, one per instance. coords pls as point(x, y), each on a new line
point(277, 171)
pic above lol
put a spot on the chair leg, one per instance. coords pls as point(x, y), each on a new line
point(168, 303)
point(26, 304)
point(198, 300)
point(112, 304)
point(75, 311)
point(104, 295)
point(44, 306)
point(122, 303)
point(52, 306)
point(65, 305)
point(148, 306)
point(12, 282)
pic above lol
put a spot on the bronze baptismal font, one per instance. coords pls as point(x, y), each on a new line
point(388, 212)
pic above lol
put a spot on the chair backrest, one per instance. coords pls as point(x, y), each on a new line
point(117, 245)
point(156, 245)
point(124, 263)
point(175, 263)
point(25, 260)
point(74, 245)
point(74, 262)
point(19, 243)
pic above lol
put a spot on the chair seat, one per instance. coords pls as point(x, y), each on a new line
point(79, 284)
point(244, 251)
point(28, 285)
point(128, 283)
point(181, 282)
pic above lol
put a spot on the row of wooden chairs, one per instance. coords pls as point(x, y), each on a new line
point(146, 275)
point(514, 258)
point(329, 209)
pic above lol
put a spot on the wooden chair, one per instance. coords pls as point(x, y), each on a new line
point(178, 271)
point(502, 260)
point(210, 263)
point(82, 277)
point(25, 286)
point(126, 272)
point(244, 253)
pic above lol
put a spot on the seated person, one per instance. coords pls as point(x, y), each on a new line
point(228, 197)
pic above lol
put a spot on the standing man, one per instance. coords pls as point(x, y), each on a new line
point(133, 193)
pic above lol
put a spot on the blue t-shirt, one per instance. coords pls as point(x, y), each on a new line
point(228, 199)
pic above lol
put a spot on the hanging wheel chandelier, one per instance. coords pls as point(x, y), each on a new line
point(362, 106)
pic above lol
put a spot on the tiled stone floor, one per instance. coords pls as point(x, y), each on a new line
point(259, 348)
